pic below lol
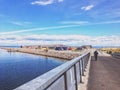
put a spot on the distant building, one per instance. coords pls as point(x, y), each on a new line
point(58, 47)
point(61, 48)
point(86, 46)
point(54, 47)
point(79, 48)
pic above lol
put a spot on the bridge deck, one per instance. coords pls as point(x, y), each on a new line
point(104, 74)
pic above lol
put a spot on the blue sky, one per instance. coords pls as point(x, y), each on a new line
point(86, 21)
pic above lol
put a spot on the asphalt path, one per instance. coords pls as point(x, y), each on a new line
point(104, 73)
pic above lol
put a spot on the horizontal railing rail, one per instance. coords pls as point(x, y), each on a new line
point(65, 77)
point(116, 54)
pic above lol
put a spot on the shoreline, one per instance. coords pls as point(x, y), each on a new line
point(67, 55)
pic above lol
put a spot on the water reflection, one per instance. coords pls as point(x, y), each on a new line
point(17, 68)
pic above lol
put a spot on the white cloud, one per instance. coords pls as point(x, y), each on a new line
point(20, 23)
point(45, 2)
point(89, 23)
point(105, 12)
point(37, 29)
point(60, 39)
point(39, 2)
point(86, 8)
point(110, 22)
point(75, 22)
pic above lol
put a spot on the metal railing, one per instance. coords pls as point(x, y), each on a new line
point(116, 54)
point(65, 77)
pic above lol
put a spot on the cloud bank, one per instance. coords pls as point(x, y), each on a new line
point(60, 39)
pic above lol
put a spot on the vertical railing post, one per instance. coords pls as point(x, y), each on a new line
point(85, 60)
point(65, 80)
point(82, 66)
point(75, 73)
point(80, 71)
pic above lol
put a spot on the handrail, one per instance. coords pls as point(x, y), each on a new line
point(70, 71)
point(116, 54)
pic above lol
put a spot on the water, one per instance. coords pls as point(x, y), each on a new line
point(18, 68)
point(11, 46)
point(106, 47)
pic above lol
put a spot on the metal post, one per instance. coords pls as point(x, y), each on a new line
point(75, 73)
point(80, 71)
point(65, 80)
point(82, 66)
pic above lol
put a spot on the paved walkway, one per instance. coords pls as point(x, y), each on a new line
point(104, 73)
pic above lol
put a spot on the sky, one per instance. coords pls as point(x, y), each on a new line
point(70, 22)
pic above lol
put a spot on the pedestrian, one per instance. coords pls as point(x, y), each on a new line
point(96, 55)
point(21, 46)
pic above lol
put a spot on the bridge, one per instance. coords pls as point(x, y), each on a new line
point(81, 73)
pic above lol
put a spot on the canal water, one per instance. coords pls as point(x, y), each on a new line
point(18, 68)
